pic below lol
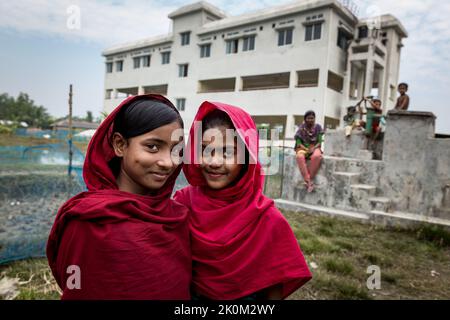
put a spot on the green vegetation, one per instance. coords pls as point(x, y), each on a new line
point(23, 108)
point(414, 264)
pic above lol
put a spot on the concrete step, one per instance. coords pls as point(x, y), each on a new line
point(398, 219)
point(320, 196)
point(443, 213)
point(360, 195)
point(341, 188)
point(365, 154)
point(349, 165)
point(405, 219)
point(380, 204)
point(346, 178)
point(353, 197)
point(302, 207)
point(366, 188)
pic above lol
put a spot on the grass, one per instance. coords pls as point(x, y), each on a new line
point(35, 279)
point(414, 264)
point(15, 140)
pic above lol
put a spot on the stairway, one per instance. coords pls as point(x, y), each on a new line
point(343, 185)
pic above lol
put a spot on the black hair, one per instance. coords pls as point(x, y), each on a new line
point(377, 100)
point(216, 118)
point(144, 115)
point(309, 113)
point(404, 84)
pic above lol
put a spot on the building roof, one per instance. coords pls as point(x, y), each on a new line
point(389, 21)
point(76, 124)
point(146, 42)
point(273, 12)
point(228, 22)
point(197, 6)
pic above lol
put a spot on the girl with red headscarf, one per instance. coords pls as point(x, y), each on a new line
point(125, 238)
point(242, 246)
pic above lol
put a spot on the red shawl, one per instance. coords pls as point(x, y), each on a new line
point(127, 246)
point(241, 243)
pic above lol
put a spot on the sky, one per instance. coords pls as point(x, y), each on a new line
point(44, 47)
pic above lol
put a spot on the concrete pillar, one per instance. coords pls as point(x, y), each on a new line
point(290, 127)
point(346, 90)
point(360, 84)
point(382, 87)
point(293, 79)
point(368, 80)
point(141, 90)
point(238, 84)
point(114, 94)
point(347, 79)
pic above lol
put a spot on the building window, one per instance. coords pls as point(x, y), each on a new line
point(119, 66)
point(165, 57)
point(146, 61)
point(344, 39)
point(109, 67)
point(249, 43)
point(308, 78)
point(335, 82)
point(205, 50)
point(266, 81)
point(156, 89)
point(181, 104)
point(285, 37)
point(185, 38)
point(137, 62)
point(363, 32)
point(217, 85)
point(232, 46)
point(108, 94)
point(183, 70)
point(313, 31)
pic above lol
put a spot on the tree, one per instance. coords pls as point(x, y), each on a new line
point(89, 116)
point(23, 109)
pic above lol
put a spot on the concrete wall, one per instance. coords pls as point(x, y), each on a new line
point(417, 164)
point(413, 176)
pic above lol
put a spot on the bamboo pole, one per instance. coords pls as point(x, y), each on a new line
point(70, 132)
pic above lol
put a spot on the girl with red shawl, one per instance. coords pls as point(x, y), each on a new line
point(125, 238)
point(242, 246)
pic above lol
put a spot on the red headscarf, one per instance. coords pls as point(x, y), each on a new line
point(241, 243)
point(127, 246)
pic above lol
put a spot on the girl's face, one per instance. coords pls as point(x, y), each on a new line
point(310, 120)
point(146, 159)
point(220, 165)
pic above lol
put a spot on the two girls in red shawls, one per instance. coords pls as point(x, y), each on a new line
point(242, 246)
point(125, 238)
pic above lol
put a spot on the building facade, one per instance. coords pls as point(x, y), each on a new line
point(276, 63)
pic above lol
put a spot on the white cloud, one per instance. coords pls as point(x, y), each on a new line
point(425, 59)
point(103, 22)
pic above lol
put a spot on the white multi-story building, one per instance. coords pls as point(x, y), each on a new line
point(276, 63)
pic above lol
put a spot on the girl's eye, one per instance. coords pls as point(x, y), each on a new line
point(153, 147)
